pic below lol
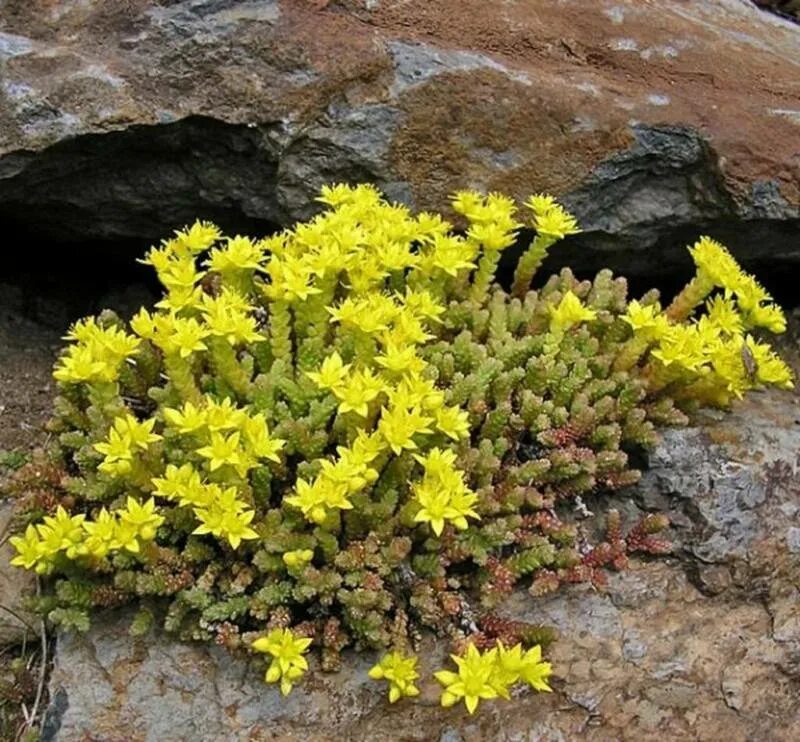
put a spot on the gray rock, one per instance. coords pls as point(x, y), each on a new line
point(15, 584)
point(737, 489)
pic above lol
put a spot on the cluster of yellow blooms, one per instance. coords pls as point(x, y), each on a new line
point(442, 492)
point(77, 537)
point(288, 663)
point(96, 354)
point(714, 353)
point(481, 675)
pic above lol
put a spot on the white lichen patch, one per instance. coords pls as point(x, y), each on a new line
point(616, 14)
point(624, 45)
point(100, 73)
point(414, 64)
point(792, 114)
point(665, 52)
point(13, 45)
point(657, 99)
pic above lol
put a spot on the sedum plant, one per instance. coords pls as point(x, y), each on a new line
point(347, 432)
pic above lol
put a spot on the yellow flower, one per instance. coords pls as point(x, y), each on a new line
point(370, 314)
point(179, 275)
point(118, 448)
point(451, 254)
point(288, 663)
point(336, 195)
point(332, 373)
point(127, 537)
point(400, 360)
point(472, 682)
point(142, 517)
point(200, 236)
point(226, 316)
point(187, 419)
point(224, 415)
point(358, 391)
point(367, 447)
point(350, 470)
point(140, 434)
point(258, 440)
point(144, 324)
point(328, 491)
point(438, 504)
point(569, 312)
point(422, 304)
point(514, 665)
point(221, 450)
point(62, 532)
point(645, 319)
point(453, 422)
point(240, 253)
point(723, 315)
point(102, 534)
point(85, 363)
point(682, 345)
point(291, 280)
point(399, 425)
point(183, 484)
point(29, 549)
point(769, 368)
point(225, 516)
point(714, 260)
point(414, 391)
point(400, 672)
point(541, 203)
point(179, 299)
point(556, 223)
point(468, 203)
point(493, 237)
point(181, 335)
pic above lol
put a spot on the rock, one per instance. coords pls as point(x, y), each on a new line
point(653, 119)
point(15, 584)
point(736, 477)
point(652, 655)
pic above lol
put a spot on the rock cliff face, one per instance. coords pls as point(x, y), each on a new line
point(704, 645)
point(654, 118)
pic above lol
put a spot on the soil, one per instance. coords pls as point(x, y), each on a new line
point(27, 352)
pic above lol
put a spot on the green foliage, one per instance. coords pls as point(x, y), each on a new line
point(348, 431)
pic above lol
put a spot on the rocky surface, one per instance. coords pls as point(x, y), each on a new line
point(15, 622)
point(703, 645)
point(655, 118)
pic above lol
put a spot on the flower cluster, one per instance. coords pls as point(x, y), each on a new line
point(74, 537)
point(288, 664)
point(713, 356)
point(349, 431)
point(490, 674)
point(96, 353)
point(400, 672)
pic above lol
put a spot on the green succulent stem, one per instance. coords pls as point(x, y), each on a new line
point(227, 365)
point(181, 376)
point(631, 352)
point(690, 296)
point(280, 330)
point(529, 263)
point(484, 275)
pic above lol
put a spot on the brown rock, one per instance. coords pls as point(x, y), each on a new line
point(128, 119)
point(15, 584)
